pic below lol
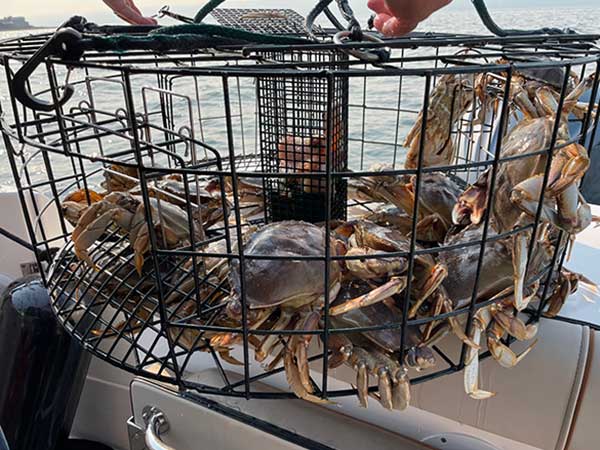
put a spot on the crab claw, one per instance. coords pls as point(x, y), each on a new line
point(471, 205)
point(525, 196)
point(568, 166)
point(89, 228)
point(420, 357)
point(574, 213)
point(504, 355)
point(573, 97)
point(514, 326)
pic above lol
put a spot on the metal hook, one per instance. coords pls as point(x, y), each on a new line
point(60, 44)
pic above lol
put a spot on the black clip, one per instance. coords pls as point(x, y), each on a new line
point(60, 44)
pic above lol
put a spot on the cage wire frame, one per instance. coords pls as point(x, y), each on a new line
point(150, 343)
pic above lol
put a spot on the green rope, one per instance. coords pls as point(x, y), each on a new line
point(156, 43)
point(228, 32)
point(206, 10)
point(183, 37)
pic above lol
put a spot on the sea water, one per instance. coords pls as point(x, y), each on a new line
point(383, 130)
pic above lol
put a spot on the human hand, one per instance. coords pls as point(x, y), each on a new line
point(126, 10)
point(399, 17)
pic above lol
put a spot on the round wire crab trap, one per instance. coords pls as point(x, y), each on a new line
point(272, 202)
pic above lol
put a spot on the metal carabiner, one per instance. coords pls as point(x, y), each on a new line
point(373, 56)
point(60, 44)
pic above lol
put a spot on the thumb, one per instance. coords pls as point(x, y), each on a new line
point(398, 27)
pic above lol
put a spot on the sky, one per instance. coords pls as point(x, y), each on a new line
point(54, 12)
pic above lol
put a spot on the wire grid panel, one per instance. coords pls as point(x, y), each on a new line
point(268, 21)
point(167, 144)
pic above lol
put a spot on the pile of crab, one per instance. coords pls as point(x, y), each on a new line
point(434, 246)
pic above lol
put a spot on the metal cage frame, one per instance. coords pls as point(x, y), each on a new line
point(84, 298)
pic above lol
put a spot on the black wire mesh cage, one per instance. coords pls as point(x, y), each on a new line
point(278, 212)
point(295, 133)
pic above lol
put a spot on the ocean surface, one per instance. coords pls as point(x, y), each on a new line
point(383, 129)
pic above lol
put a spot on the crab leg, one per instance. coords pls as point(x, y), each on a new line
point(269, 342)
point(292, 375)
point(341, 348)
point(437, 309)
point(360, 361)
point(394, 385)
point(385, 368)
point(571, 100)
point(401, 392)
point(299, 346)
point(400, 195)
point(225, 354)
point(519, 262)
point(457, 328)
point(141, 244)
point(437, 334)
point(433, 281)
point(525, 105)
point(377, 295)
point(432, 228)
point(89, 215)
point(226, 339)
point(567, 284)
point(558, 299)
point(277, 359)
point(385, 388)
point(471, 371)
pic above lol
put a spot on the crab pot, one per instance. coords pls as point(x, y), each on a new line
point(303, 126)
point(207, 149)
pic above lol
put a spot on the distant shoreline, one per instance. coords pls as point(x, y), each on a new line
point(31, 27)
